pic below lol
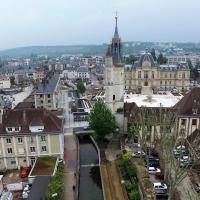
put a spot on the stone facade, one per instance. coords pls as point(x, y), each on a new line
point(146, 76)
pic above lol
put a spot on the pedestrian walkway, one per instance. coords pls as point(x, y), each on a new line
point(70, 167)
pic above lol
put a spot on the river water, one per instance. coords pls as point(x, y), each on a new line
point(90, 187)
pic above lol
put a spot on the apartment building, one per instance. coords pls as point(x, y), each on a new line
point(46, 94)
point(24, 73)
point(172, 60)
point(4, 82)
point(26, 134)
point(83, 72)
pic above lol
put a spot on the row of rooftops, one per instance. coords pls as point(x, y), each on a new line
point(147, 57)
point(24, 119)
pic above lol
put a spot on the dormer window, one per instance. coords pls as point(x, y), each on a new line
point(194, 111)
point(9, 129)
point(13, 129)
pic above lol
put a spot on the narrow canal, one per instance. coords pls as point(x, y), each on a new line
point(90, 187)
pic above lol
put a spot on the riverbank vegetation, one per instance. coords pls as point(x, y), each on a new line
point(56, 186)
point(129, 174)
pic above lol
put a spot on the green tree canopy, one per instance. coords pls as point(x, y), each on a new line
point(12, 80)
point(161, 59)
point(80, 87)
point(101, 120)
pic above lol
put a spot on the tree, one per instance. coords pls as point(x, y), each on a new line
point(12, 80)
point(161, 59)
point(80, 87)
point(101, 120)
point(131, 59)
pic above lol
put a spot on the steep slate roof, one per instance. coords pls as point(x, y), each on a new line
point(146, 57)
point(189, 105)
point(26, 117)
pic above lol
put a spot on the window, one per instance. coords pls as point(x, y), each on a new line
point(165, 75)
point(9, 150)
point(183, 75)
point(41, 101)
point(43, 138)
point(20, 140)
point(44, 148)
point(145, 83)
point(31, 139)
point(146, 74)
point(152, 74)
point(49, 96)
point(10, 129)
point(113, 97)
point(17, 129)
point(40, 95)
point(160, 82)
point(12, 162)
point(183, 121)
point(32, 149)
point(8, 140)
point(49, 101)
point(194, 122)
point(139, 74)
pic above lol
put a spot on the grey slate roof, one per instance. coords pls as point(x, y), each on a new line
point(146, 57)
point(82, 69)
point(49, 87)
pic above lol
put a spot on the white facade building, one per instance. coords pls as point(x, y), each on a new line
point(4, 82)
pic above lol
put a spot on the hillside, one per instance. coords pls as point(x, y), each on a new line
point(128, 48)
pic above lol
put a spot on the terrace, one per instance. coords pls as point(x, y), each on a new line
point(44, 166)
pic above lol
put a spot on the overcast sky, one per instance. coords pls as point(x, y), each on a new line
point(67, 22)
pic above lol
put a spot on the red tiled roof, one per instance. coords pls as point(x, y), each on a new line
point(27, 117)
point(189, 105)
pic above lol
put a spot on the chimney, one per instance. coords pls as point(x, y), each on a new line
point(24, 116)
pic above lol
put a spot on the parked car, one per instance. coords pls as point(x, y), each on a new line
point(160, 186)
point(153, 170)
point(138, 154)
point(24, 172)
point(153, 158)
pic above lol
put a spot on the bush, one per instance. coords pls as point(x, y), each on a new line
point(131, 170)
point(128, 185)
point(134, 195)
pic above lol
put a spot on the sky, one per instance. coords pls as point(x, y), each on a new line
point(71, 22)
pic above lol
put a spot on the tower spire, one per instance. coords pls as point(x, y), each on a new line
point(116, 28)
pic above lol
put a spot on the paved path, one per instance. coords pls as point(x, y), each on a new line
point(70, 157)
point(112, 181)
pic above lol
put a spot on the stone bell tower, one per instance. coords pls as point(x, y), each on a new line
point(114, 73)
